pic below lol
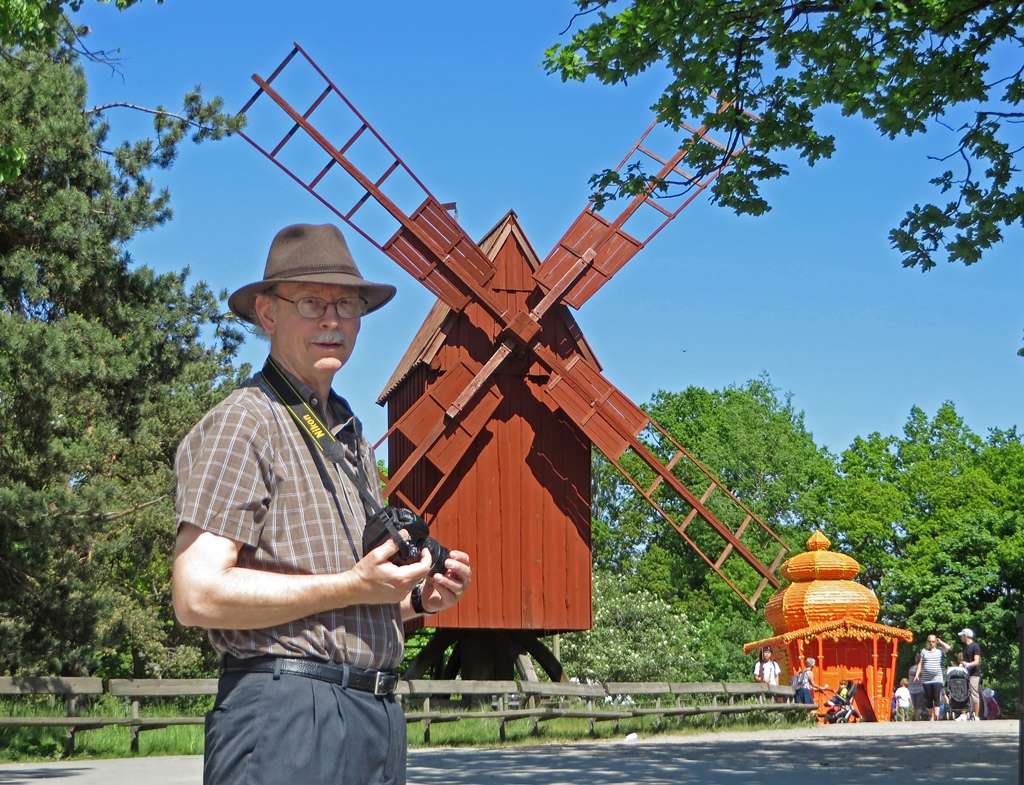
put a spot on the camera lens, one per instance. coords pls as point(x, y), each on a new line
point(439, 554)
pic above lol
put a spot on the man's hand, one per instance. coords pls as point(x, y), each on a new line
point(386, 582)
point(446, 588)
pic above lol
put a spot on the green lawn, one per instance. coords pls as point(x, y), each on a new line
point(35, 744)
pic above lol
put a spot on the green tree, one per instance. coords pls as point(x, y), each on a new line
point(104, 365)
point(869, 507)
point(33, 26)
point(906, 67)
point(935, 518)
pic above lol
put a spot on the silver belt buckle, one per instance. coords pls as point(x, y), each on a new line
point(384, 683)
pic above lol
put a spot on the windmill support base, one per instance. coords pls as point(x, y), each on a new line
point(484, 655)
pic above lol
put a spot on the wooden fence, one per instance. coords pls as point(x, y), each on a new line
point(425, 701)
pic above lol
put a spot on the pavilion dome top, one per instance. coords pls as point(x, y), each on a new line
point(821, 590)
point(819, 563)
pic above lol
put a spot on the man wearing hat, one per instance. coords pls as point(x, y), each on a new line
point(274, 488)
point(972, 661)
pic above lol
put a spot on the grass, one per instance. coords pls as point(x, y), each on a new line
point(484, 733)
point(39, 744)
point(47, 744)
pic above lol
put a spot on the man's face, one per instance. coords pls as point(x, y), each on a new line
point(311, 349)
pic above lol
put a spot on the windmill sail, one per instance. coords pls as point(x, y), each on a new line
point(741, 548)
point(389, 206)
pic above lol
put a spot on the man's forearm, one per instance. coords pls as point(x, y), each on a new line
point(245, 599)
point(210, 590)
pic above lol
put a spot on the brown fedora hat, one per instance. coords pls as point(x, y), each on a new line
point(306, 253)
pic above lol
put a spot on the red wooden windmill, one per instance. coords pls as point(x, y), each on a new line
point(494, 407)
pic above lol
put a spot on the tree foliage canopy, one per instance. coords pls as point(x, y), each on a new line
point(104, 365)
point(906, 67)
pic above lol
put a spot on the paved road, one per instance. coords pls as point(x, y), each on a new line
point(982, 753)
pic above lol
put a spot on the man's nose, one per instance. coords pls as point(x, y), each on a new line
point(331, 315)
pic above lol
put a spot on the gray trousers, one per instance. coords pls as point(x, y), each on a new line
point(269, 731)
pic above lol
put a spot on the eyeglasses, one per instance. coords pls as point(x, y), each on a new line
point(315, 307)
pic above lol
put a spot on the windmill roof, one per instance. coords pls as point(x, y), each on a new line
point(441, 318)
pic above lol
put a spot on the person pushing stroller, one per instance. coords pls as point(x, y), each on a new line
point(803, 683)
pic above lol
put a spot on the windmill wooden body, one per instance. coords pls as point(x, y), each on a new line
point(493, 409)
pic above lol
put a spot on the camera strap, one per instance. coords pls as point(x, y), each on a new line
point(323, 444)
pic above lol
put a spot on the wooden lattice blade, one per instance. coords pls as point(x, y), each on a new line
point(607, 240)
point(619, 429)
point(331, 150)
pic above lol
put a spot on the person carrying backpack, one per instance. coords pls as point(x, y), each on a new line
point(803, 682)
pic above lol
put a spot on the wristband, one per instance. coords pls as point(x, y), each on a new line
point(416, 600)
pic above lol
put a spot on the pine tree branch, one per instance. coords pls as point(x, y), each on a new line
point(113, 516)
point(146, 109)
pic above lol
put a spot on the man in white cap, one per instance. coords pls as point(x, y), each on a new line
point(274, 489)
point(972, 661)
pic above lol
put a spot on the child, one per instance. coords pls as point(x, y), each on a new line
point(844, 689)
point(766, 669)
point(902, 702)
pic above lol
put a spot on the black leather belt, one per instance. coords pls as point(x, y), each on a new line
point(377, 682)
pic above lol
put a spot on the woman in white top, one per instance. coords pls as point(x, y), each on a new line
point(766, 669)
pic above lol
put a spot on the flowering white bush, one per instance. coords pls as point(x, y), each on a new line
point(637, 636)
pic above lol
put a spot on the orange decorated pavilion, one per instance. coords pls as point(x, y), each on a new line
point(824, 614)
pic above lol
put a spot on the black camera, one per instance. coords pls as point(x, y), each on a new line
point(390, 522)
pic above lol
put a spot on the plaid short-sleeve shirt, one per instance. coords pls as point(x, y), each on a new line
point(245, 472)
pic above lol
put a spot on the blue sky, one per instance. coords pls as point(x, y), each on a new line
point(810, 294)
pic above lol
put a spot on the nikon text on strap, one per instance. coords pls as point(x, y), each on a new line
point(305, 416)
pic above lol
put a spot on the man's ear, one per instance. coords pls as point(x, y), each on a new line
point(266, 312)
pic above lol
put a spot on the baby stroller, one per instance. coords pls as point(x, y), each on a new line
point(958, 692)
point(839, 708)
